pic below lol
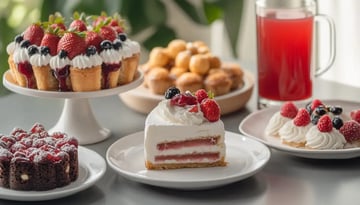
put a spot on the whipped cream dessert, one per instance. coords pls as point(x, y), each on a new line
point(178, 138)
point(324, 140)
point(294, 135)
point(129, 47)
point(86, 61)
point(275, 123)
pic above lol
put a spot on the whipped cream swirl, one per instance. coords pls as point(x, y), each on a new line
point(292, 133)
point(324, 140)
point(110, 56)
point(179, 115)
point(40, 60)
point(56, 62)
point(21, 55)
point(84, 61)
point(275, 123)
point(129, 48)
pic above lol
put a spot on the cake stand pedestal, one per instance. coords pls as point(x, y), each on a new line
point(77, 118)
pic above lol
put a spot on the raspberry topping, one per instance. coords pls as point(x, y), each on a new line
point(210, 109)
point(325, 124)
point(351, 130)
point(355, 115)
point(183, 100)
point(316, 103)
point(201, 95)
point(289, 110)
point(302, 117)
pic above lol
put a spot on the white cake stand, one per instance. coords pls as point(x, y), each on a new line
point(77, 118)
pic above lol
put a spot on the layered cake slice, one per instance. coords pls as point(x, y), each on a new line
point(184, 131)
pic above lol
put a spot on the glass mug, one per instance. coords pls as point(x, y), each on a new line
point(285, 50)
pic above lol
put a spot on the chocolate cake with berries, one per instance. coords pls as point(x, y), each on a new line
point(36, 160)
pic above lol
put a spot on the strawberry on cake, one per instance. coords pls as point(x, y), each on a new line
point(287, 112)
point(184, 131)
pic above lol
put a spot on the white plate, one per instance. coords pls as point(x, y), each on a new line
point(91, 168)
point(254, 125)
point(142, 100)
point(10, 83)
point(245, 157)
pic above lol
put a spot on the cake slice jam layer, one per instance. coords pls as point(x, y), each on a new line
point(188, 143)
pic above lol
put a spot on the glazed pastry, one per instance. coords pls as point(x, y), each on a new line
point(189, 82)
point(85, 72)
point(199, 64)
point(182, 60)
point(159, 57)
point(176, 46)
point(214, 61)
point(159, 80)
point(235, 73)
point(219, 83)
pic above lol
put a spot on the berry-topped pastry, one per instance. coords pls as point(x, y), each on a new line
point(293, 132)
point(46, 54)
point(184, 131)
point(324, 136)
point(351, 132)
point(287, 112)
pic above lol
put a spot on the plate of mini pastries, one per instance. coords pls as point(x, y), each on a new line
point(245, 157)
point(330, 131)
point(190, 66)
point(91, 168)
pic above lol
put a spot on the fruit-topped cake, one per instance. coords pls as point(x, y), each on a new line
point(184, 131)
point(52, 56)
point(287, 112)
point(36, 160)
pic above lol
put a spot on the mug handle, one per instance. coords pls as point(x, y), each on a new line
point(320, 17)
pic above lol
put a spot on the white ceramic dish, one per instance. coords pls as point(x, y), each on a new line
point(142, 100)
point(92, 168)
point(254, 125)
point(245, 157)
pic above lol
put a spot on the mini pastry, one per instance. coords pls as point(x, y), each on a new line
point(24, 72)
point(10, 49)
point(176, 72)
point(176, 46)
point(214, 61)
point(324, 136)
point(235, 73)
point(287, 112)
point(199, 64)
point(189, 82)
point(158, 80)
point(158, 57)
point(111, 63)
point(182, 60)
point(130, 59)
point(85, 72)
point(219, 83)
point(293, 132)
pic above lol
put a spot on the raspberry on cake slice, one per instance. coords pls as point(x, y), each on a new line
point(184, 131)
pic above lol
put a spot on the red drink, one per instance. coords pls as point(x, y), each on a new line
point(284, 58)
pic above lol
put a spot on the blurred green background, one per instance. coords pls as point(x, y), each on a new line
point(141, 15)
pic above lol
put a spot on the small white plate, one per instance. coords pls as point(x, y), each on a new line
point(245, 157)
point(254, 125)
point(91, 168)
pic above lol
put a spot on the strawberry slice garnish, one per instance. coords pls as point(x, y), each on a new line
point(34, 33)
point(73, 43)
